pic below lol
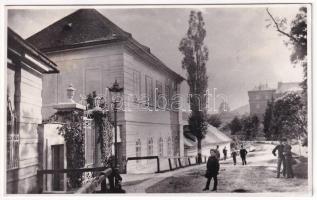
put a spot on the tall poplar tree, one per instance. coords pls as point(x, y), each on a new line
point(194, 61)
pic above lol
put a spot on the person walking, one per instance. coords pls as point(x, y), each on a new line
point(243, 155)
point(288, 160)
point(280, 157)
point(224, 151)
point(212, 170)
point(217, 152)
point(234, 156)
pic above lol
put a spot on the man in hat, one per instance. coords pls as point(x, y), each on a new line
point(280, 157)
point(212, 170)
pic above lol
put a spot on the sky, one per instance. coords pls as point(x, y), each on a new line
point(243, 51)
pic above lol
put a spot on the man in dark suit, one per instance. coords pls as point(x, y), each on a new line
point(280, 157)
point(212, 170)
point(243, 155)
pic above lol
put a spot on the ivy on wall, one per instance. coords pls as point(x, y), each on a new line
point(103, 127)
point(72, 131)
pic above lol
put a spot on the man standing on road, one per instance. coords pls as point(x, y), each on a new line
point(280, 157)
point(217, 152)
point(234, 156)
point(224, 151)
point(212, 170)
point(243, 155)
point(288, 160)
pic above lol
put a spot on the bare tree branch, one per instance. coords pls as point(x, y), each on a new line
point(279, 29)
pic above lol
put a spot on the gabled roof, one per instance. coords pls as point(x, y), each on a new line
point(88, 27)
point(81, 26)
point(213, 137)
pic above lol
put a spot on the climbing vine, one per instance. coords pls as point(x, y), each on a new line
point(73, 133)
point(103, 128)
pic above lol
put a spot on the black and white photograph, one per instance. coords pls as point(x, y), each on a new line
point(207, 99)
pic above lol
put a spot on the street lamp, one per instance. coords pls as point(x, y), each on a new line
point(116, 90)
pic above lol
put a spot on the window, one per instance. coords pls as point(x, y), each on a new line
point(257, 96)
point(149, 90)
point(138, 149)
point(257, 106)
point(168, 92)
point(159, 92)
point(160, 147)
point(150, 147)
point(169, 146)
point(137, 84)
point(13, 138)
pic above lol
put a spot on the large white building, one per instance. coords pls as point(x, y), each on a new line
point(92, 53)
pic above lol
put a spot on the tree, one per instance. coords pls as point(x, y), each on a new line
point(235, 125)
point(194, 61)
point(267, 119)
point(250, 126)
point(289, 119)
point(297, 39)
point(214, 120)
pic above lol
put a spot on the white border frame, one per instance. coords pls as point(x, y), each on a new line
point(83, 3)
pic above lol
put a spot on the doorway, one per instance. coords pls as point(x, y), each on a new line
point(58, 163)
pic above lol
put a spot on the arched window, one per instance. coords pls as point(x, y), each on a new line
point(169, 146)
point(160, 147)
point(138, 149)
point(150, 147)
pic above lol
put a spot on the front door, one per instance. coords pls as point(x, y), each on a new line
point(58, 163)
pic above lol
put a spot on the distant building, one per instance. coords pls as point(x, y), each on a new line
point(260, 95)
point(258, 98)
point(287, 87)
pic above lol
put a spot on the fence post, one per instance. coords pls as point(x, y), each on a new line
point(158, 164)
point(104, 185)
point(179, 162)
point(170, 164)
point(40, 182)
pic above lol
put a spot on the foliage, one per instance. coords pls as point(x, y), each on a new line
point(103, 127)
point(194, 61)
point(72, 131)
point(289, 120)
point(250, 126)
point(268, 119)
point(297, 39)
point(235, 125)
point(214, 120)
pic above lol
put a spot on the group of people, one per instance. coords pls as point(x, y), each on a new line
point(213, 164)
point(282, 151)
point(284, 159)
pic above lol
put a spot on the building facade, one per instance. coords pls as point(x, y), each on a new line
point(93, 53)
point(258, 98)
point(25, 68)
